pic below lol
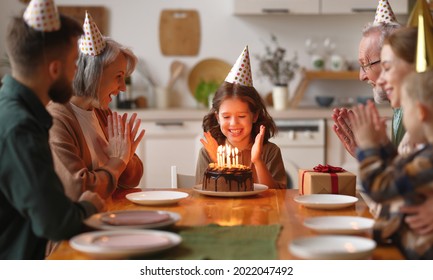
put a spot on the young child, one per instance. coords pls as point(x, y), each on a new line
point(239, 118)
point(393, 180)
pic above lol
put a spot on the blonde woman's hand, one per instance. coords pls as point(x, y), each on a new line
point(134, 125)
point(256, 150)
point(364, 127)
point(119, 138)
point(420, 217)
point(211, 146)
point(379, 123)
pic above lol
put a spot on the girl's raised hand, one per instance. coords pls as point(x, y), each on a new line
point(256, 150)
point(211, 146)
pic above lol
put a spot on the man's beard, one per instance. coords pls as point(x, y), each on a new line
point(380, 96)
point(61, 90)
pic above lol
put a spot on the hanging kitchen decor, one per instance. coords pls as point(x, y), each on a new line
point(99, 14)
point(179, 32)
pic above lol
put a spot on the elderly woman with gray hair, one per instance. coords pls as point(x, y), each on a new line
point(94, 148)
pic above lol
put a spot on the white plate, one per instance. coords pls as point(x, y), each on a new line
point(339, 224)
point(326, 201)
point(124, 243)
point(156, 197)
point(332, 247)
point(258, 188)
point(95, 221)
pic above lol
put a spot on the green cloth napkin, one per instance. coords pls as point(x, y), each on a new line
point(213, 242)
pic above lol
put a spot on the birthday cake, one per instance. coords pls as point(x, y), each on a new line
point(237, 178)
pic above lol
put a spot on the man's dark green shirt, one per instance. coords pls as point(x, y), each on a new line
point(33, 205)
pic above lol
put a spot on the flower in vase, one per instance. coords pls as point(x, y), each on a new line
point(274, 66)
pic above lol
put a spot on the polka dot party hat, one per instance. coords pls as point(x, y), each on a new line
point(384, 13)
point(91, 43)
point(42, 15)
point(241, 70)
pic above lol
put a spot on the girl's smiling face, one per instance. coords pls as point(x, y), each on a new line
point(112, 81)
point(236, 122)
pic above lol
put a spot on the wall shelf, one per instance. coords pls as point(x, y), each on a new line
point(309, 76)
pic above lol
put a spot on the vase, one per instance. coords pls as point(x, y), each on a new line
point(317, 62)
point(162, 97)
point(280, 96)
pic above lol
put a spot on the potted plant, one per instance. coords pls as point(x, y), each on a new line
point(279, 70)
point(205, 90)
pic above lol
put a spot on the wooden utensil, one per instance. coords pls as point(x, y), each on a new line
point(176, 69)
point(179, 32)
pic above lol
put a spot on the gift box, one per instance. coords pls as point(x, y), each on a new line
point(326, 179)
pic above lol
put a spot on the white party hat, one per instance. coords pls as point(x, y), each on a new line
point(241, 70)
point(91, 43)
point(42, 15)
point(384, 13)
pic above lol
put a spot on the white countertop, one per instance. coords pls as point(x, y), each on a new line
point(198, 114)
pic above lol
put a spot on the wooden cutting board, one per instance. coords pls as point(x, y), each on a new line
point(179, 32)
point(98, 13)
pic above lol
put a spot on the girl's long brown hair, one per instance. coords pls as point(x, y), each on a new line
point(255, 103)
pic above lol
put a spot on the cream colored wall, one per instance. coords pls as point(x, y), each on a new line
point(135, 23)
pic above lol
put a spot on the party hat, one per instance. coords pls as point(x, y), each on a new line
point(420, 17)
point(384, 13)
point(42, 15)
point(91, 42)
point(241, 70)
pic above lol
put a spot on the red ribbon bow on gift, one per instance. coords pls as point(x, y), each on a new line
point(328, 169)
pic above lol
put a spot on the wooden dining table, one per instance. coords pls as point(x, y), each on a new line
point(266, 208)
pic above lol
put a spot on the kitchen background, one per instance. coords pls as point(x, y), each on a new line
point(172, 135)
point(223, 36)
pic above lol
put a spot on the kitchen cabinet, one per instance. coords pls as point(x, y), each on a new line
point(265, 7)
point(360, 6)
point(167, 143)
point(313, 7)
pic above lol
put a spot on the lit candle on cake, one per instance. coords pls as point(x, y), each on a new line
point(219, 156)
point(228, 151)
point(237, 157)
point(223, 149)
point(233, 157)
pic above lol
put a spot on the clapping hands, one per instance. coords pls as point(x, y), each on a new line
point(369, 129)
point(134, 124)
point(256, 150)
point(343, 129)
point(122, 136)
point(211, 146)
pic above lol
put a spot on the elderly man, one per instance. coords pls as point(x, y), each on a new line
point(419, 217)
point(369, 59)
